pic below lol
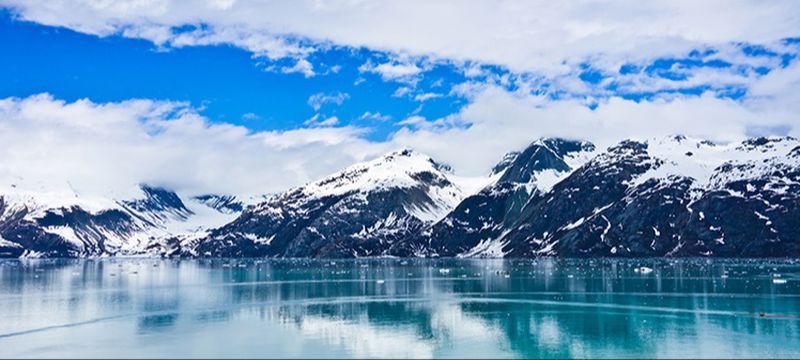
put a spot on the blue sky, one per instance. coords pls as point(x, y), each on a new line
point(303, 88)
point(227, 83)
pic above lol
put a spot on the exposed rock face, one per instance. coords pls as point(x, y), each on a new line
point(62, 225)
point(361, 211)
point(669, 197)
point(228, 204)
point(470, 228)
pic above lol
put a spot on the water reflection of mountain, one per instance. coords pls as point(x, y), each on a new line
point(405, 308)
point(486, 306)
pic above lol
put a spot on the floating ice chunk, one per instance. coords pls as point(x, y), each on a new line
point(643, 270)
point(444, 271)
point(380, 282)
point(779, 281)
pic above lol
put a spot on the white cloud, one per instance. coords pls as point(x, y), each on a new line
point(497, 121)
point(402, 91)
point(110, 146)
point(100, 146)
point(780, 88)
point(406, 72)
point(318, 121)
point(415, 121)
point(523, 35)
point(103, 145)
point(317, 100)
point(251, 116)
point(302, 66)
point(426, 96)
point(375, 116)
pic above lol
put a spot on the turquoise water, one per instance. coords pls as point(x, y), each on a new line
point(399, 308)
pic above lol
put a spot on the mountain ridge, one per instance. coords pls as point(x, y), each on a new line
point(666, 196)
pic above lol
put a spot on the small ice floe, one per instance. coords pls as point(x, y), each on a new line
point(404, 262)
point(380, 282)
point(444, 271)
point(643, 270)
point(507, 276)
point(779, 281)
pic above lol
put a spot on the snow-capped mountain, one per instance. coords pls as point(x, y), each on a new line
point(672, 196)
point(668, 197)
point(55, 221)
point(227, 204)
point(363, 210)
point(481, 217)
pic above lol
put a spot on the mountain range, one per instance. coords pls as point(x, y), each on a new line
point(671, 196)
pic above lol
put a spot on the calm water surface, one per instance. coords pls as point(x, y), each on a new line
point(399, 308)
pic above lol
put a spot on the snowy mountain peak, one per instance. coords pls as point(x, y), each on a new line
point(61, 221)
point(543, 154)
point(664, 196)
point(504, 163)
point(363, 210)
point(400, 169)
point(703, 161)
point(227, 204)
point(544, 161)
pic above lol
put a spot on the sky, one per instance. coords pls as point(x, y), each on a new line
point(253, 97)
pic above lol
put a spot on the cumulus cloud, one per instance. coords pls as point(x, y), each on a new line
point(498, 120)
point(524, 36)
point(301, 66)
point(401, 71)
point(102, 147)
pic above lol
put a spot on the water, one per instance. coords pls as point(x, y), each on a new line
point(399, 308)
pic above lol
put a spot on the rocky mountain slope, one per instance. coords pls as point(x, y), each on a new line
point(363, 210)
point(671, 196)
point(481, 217)
point(668, 197)
point(57, 222)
